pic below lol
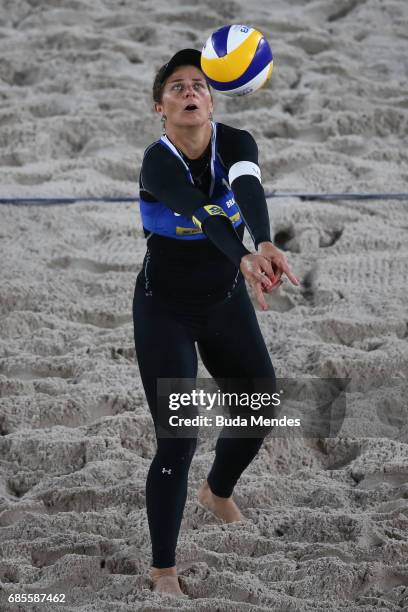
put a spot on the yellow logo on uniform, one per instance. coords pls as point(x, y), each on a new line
point(211, 209)
point(187, 230)
point(214, 209)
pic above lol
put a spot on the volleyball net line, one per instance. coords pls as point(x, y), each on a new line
point(273, 194)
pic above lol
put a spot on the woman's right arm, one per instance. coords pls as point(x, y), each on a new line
point(164, 176)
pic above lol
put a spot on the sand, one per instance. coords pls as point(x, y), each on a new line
point(327, 518)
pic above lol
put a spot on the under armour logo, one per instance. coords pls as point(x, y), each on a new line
point(164, 470)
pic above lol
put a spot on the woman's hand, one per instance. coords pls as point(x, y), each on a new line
point(258, 273)
point(278, 261)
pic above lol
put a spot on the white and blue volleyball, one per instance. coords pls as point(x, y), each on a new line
point(237, 60)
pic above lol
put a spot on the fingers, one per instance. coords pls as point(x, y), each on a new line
point(279, 262)
point(263, 275)
point(293, 279)
point(266, 266)
point(260, 288)
point(275, 285)
point(263, 279)
point(257, 287)
point(281, 266)
point(278, 274)
point(270, 275)
point(276, 270)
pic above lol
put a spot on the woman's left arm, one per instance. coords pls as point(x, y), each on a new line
point(240, 152)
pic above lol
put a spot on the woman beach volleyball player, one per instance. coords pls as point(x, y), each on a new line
point(199, 188)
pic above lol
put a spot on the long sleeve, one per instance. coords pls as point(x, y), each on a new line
point(164, 177)
point(238, 147)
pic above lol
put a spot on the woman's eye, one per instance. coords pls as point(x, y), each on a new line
point(179, 87)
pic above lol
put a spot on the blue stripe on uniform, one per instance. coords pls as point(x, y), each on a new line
point(262, 57)
point(219, 40)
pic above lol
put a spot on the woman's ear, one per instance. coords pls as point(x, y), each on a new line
point(158, 108)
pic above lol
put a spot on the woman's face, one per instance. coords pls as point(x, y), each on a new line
point(186, 99)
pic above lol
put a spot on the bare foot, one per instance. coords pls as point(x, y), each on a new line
point(165, 581)
point(223, 507)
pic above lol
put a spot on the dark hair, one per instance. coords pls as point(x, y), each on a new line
point(158, 84)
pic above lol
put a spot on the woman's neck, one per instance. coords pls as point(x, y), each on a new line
point(191, 141)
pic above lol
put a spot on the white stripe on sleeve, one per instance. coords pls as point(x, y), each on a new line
point(244, 167)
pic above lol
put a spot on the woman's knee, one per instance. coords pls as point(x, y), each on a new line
point(176, 450)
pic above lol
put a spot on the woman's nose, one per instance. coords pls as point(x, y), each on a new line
point(189, 89)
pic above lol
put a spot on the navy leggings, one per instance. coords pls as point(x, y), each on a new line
point(230, 344)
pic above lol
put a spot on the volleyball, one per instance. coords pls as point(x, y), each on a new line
point(237, 60)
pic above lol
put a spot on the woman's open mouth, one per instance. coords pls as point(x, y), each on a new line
point(191, 108)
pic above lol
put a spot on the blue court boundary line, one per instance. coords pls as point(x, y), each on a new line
point(274, 194)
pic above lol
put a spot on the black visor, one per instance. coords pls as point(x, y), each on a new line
point(185, 57)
